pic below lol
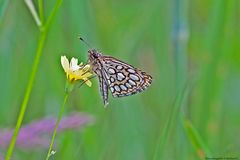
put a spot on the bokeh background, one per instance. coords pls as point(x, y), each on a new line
point(191, 48)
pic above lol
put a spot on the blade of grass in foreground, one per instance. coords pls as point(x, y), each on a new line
point(40, 8)
point(26, 96)
point(194, 137)
point(56, 127)
point(163, 138)
point(41, 42)
point(180, 40)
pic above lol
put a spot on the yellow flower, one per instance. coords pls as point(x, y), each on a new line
point(76, 72)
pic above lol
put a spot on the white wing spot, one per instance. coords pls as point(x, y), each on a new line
point(123, 87)
point(131, 82)
point(119, 67)
point(117, 88)
point(112, 79)
point(131, 70)
point(120, 76)
point(134, 77)
point(112, 89)
point(128, 85)
point(111, 71)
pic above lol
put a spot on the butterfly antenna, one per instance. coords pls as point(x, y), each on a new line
point(81, 39)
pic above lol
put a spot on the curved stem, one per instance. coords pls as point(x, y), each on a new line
point(40, 8)
point(56, 126)
point(27, 95)
point(41, 42)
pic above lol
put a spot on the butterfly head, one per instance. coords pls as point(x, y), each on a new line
point(93, 54)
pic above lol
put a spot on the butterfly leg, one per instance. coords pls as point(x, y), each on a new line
point(103, 90)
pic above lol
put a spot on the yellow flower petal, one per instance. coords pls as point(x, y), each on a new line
point(65, 63)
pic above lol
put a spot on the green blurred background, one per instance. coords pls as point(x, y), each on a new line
point(191, 48)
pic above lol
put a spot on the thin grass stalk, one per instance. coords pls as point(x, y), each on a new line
point(199, 146)
point(40, 10)
point(162, 140)
point(56, 126)
point(180, 41)
point(34, 13)
point(53, 14)
point(41, 42)
point(27, 95)
point(180, 35)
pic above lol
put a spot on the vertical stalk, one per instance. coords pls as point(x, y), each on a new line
point(56, 126)
point(180, 35)
point(163, 137)
point(42, 39)
point(180, 41)
point(180, 38)
point(23, 107)
point(40, 10)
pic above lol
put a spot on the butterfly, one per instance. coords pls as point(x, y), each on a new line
point(120, 78)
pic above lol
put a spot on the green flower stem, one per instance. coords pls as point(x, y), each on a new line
point(53, 14)
point(164, 136)
point(56, 126)
point(40, 8)
point(200, 147)
point(41, 42)
point(27, 95)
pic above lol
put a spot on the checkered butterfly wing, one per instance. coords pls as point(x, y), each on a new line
point(123, 79)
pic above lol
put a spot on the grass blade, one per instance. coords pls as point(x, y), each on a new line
point(33, 11)
point(194, 137)
point(163, 138)
point(38, 54)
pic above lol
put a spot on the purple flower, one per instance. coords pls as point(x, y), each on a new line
point(1, 158)
point(37, 134)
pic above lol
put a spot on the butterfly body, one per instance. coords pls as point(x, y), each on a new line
point(119, 77)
